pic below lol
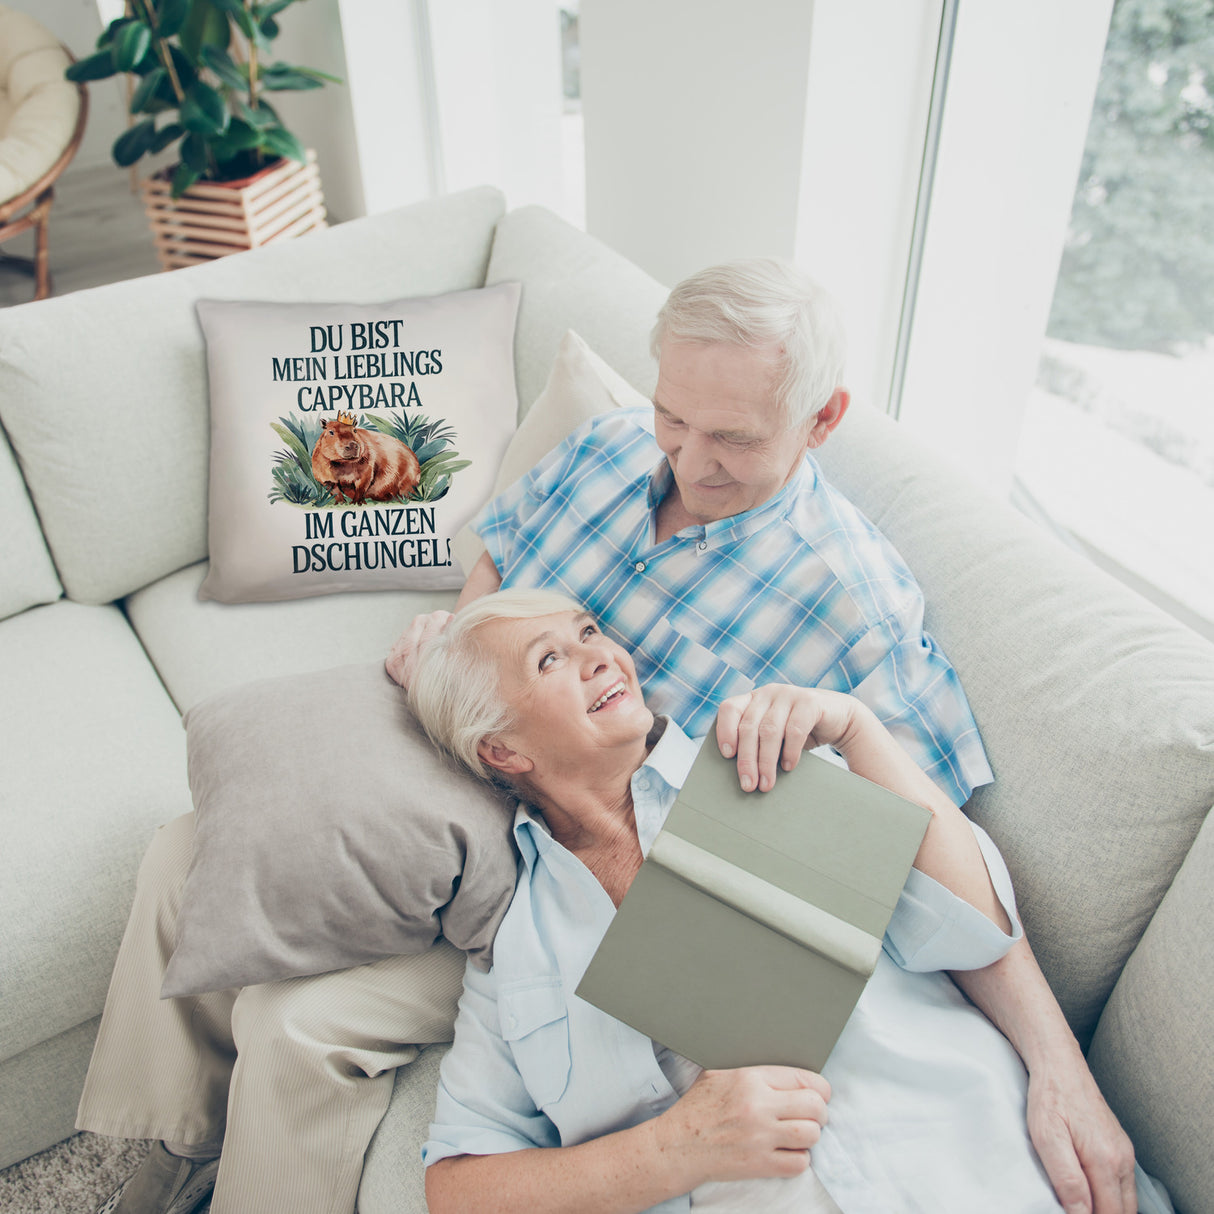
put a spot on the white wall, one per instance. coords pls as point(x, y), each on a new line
point(694, 126)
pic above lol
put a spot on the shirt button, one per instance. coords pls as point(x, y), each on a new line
point(702, 545)
point(639, 566)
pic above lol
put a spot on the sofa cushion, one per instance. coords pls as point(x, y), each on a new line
point(351, 442)
point(572, 281)
point(1152, 1054)
point(200, 648)
point(29, 574)
point(119, 472)
point(580, 386)
point(320, 845)
point(1097, 711)
point(93, 760)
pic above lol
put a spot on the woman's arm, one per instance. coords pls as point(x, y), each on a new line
point(730, 1125)
point(769, 728)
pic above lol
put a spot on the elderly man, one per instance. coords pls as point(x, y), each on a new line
point(704, 538)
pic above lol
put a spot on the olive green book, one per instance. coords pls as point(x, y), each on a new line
point(755, 921)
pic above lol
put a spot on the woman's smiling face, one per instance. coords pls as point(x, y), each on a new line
point(573, 692)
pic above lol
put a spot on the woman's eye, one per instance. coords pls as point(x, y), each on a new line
point(589, 631)
point(547, 660)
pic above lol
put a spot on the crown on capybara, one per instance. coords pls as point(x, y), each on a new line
point(347, 419)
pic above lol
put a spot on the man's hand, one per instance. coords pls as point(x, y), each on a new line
point(403, 656)
point(1087, 1155)
point(770, 727)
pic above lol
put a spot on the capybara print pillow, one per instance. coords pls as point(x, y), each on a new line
point(350, 443)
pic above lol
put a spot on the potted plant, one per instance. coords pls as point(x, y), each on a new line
point(201, 71)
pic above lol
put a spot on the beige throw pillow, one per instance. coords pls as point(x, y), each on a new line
point(350, 443)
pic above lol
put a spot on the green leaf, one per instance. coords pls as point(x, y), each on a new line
point(132, 144)
point(171, 16)
point(225, 67)
point(130, 45)
point(166, 135)
point(183, 178)
point(205, 26)
point(241, 137)
point(195, 153)
point(301, 452)
point(281, 142)
point(279, 77)
point(203, 111)
point(95, 67)
point(268, 28)
point(144, 97)
point(107, 36)
point(261, 119)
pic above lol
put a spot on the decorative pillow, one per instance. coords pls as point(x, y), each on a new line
point(318, 846)
point(580, 386)
point(349, 442)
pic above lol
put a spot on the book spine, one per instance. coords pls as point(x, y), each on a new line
point(802, 922)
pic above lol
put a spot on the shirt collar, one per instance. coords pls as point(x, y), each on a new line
point(655, 784)
point(737, 526)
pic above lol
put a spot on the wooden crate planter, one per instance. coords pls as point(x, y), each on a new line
point(215, 218)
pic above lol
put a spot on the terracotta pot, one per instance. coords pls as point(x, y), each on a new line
point(215, 218)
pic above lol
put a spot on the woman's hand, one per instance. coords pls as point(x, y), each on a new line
point(770, 727)
point(402, 659)
point(755, 1121)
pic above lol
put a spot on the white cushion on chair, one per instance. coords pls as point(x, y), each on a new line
point(38, 106)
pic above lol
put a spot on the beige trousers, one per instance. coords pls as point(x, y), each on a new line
point(293, 1076)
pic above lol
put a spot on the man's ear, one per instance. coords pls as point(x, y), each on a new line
point(495, 754)
point(829, 416)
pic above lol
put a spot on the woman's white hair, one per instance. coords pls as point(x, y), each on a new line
point(763, 303)
point(454, 691)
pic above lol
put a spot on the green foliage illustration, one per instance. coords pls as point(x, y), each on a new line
point(429, 440)
point(1138, 269)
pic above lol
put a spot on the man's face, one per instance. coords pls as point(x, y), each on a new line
point(716, 420)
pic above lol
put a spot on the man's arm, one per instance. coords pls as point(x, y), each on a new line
point(1087, 1155)
point(484, 579)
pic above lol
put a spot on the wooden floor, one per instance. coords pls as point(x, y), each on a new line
point(98, 234)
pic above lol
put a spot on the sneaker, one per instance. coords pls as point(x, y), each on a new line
point(164, 1184)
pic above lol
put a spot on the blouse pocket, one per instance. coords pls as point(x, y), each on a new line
point(535, 1023)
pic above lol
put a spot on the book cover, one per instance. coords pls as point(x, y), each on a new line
point(755, 921)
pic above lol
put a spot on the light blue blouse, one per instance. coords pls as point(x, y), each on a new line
point(928, 1104)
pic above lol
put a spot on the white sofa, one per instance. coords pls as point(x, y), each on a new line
point(1097, 711)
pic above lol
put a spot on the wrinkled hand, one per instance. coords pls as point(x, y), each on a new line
point(1087, 1155)
point(750, 1122)
point(401, 660)
point(770, 727)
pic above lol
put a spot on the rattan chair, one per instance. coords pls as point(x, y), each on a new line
point(42, 118)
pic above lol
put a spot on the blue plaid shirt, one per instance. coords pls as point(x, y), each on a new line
point(802, 589)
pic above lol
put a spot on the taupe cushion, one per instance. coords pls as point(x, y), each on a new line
point(103, 392)
point(1095, 708)
point(330, 833)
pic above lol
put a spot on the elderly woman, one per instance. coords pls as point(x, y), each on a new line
point(547, 1103)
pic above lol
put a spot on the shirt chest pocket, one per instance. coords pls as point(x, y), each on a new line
point(535, 1024)
point(684, 678)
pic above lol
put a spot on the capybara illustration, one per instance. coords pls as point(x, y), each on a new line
point(356, 465)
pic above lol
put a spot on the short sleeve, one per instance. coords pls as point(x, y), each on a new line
point(483, 1107)
point(933, 929)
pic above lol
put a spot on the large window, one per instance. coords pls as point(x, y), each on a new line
point(1117, 444)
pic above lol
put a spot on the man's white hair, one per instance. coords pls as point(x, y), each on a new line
point(454, 691)
point(763, 303)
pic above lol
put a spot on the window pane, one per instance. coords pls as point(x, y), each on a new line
point(1118, 441)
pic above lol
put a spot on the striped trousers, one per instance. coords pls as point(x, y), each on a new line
point(292, 1076)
